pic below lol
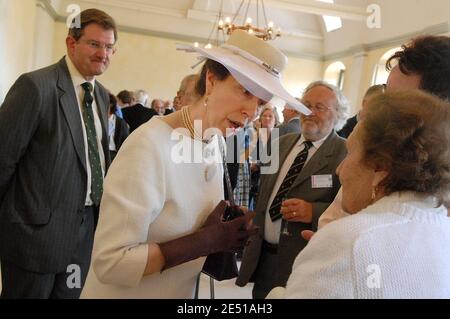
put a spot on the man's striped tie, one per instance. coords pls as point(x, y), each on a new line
point(291, 176)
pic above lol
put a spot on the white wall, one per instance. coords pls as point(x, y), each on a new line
point(398, 18)
point(2, 48)
point(300, 73)
point(26, 40)
point(17, 41)
point(401, 17)
point(43, 36)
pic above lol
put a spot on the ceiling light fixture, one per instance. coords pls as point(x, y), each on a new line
point(224, 26)
point(264, 31)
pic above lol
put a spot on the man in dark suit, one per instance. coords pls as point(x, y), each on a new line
point(53, 157)
point(349, 126)
point(168, 108)
point(138, 114)
point(351, 122)
point(186, 93)
point(118, 129)
point(159, 106)
point(293, 198)
point(291, 122)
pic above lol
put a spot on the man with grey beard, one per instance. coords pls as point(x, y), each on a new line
point(293, 198)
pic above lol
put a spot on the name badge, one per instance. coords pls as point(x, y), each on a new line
point(322, 181)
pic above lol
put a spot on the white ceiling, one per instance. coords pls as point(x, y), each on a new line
point(300, 21)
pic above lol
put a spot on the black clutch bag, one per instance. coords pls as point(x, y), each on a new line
point(223, 265)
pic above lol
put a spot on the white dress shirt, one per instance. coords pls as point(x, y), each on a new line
point(272, 229)
point(77, 80)
point(334, 211)
point(111, 131)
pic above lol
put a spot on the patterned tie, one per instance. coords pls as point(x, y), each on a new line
point(285, 187)
point(94, 157)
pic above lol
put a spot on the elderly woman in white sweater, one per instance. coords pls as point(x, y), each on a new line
point(395, 181)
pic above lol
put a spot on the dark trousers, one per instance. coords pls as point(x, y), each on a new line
point(19, 283)
point(265, 275)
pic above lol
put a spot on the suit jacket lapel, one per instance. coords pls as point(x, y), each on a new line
point(69, 105)
point(318, 161)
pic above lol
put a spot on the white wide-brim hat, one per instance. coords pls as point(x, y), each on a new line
point(254, 63)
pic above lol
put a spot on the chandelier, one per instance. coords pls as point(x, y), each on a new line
point(262, 28)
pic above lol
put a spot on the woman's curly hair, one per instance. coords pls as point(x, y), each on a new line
point(408, 134)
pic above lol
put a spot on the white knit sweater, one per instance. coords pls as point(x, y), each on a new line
point(397, 248)
point(149, 198)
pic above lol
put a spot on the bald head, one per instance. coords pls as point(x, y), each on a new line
point(186, 93)
point(289, 113)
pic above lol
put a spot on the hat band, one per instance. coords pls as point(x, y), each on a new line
point(269, 68)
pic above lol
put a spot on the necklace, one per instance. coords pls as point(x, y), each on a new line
point(187, 122)
point(210, 170)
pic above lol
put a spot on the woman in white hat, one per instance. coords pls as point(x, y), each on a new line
point(162, 205)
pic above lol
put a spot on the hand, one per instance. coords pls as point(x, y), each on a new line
point(216, 215)
point(254, 167)
point(297, 210)
point(231, 235)
point(214, 236)
point(244, 209)
point(222, 211)
point(307, 234)
point(234, 231)
point(225, 212)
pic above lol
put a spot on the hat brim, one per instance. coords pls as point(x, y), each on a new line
point(249, 74)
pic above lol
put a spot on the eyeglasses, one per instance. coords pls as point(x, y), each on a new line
point(319, 108)
point(95, 45)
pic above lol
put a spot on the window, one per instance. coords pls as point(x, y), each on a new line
point(380, 74)
point(331, 23)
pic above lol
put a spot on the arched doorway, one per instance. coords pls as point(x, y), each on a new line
point(380, 74)
point(335, 74)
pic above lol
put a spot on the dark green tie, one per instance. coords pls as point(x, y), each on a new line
point(94, 157)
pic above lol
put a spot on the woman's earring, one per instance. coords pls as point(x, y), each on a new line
point(206, 103)
point(374, 192)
